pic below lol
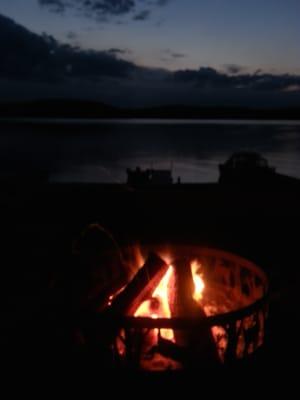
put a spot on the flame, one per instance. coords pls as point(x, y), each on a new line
point(161, 292)
point(158, 305)
point(198, 280)
point(145, 310)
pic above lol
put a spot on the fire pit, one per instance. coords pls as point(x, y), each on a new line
point(198, 307)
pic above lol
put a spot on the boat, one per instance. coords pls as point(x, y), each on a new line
point(246, 167)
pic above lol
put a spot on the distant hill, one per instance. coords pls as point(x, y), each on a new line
point(60, 108)
point(57, 108)
point(186, 112)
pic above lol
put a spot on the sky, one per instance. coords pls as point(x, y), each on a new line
point(221, 52)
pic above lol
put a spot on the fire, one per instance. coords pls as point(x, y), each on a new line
point(161, 292)
point(158, 305)
point(198, 280)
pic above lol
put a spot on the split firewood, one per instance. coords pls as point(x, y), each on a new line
point(141, 287)
point(199, 342)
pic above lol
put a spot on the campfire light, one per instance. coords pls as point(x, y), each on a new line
point(158, 306)
point(198, 280)
point(220, 290)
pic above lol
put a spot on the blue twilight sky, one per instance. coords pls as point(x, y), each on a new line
point(152, 52)
point(253, 34)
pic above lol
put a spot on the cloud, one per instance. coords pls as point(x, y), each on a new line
point(174, 54)
point(41, 58)
point(40, 66)
point(233, 68)
point(102, 9)
point(71, 35)
point(56, 6)
point(178, 55)
point(142, 16)
point(292, 88)
point(209, 78)
point(117, 51)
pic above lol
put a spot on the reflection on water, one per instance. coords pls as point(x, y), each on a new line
point(101, 151)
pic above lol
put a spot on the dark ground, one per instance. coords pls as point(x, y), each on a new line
point(40, 223)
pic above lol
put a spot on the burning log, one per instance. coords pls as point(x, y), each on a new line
point(199, 343)
point(141, 286)
point(139, 289)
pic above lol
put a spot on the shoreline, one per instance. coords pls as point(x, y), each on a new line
point(147, 121)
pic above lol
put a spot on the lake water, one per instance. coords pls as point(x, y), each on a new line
point(101, 151)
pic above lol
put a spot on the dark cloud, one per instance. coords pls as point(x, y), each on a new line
point(117, 51)
point(142, 16)
point(174, 54)
point(209, 78)
point(29, 56)
point(71, 35)
point(102, 9)
point(57, 6)
point(38, 65)
point(233, 68)
point(204, 77)
point(178, 55)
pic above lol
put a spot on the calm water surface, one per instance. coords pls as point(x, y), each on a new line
point(100, 151)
